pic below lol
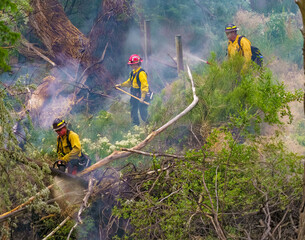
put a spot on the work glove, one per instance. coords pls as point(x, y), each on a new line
point(117, 85)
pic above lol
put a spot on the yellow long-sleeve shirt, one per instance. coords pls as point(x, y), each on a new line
point(132, 81)
point(63, 149)
point(233, 48)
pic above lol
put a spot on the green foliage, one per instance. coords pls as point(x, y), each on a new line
point(225, 177)
point(299, 132)
point(280, 36)
point(100, 135)
point(13, 14)
point(226, 90)
point(50, 224)
point(274, 6)
point(232, 178)
point(276, 27)
point(21, 178)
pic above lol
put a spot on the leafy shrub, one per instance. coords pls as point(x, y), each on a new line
point(216, 186)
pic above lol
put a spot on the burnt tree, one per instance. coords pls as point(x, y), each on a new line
point(66, 45)
point(73, 55)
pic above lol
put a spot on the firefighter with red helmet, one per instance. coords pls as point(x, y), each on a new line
point(139, 87)
point(69, 149)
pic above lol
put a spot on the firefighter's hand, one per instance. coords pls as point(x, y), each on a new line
point(117, 85)
point(141, 100)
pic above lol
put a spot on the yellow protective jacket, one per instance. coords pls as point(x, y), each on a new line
point(68, 152)
point(245, 50)
point(132, 81)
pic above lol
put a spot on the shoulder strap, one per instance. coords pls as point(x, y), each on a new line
point(68, 140)
point(58, 140)
point(240, 47)
point(239, 39)
point(138, 77)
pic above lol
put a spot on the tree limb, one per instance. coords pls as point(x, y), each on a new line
point(30, 46)
point(151, 154)
point(58, 227)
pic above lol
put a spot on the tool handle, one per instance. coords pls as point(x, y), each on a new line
point(130, 95)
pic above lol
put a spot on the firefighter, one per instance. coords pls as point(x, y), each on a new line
point(138, 84)
point(242, 47)
point(69, 149)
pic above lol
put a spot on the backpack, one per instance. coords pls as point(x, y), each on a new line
point(257, 57)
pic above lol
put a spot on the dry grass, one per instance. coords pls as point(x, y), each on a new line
point(249, 21)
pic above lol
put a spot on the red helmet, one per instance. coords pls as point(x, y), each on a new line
point(134, 59)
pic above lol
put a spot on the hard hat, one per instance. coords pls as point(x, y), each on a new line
point(231, 28)
point(134, 59)
point(58, 124)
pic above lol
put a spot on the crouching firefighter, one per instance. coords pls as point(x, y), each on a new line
point(69, 149)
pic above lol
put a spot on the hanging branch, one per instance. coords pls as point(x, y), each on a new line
point(122, 154)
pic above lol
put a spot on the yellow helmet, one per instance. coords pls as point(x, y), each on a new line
point(231, 28)
point(58, 124)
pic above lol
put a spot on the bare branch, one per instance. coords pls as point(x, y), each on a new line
point(84, 205)
point(151, 154)
point(34, 49)
point(58, 227)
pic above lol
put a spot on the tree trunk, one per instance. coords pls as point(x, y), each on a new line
point(301, 231)
point(64, 42)
point(69, 48)
point(69, 51)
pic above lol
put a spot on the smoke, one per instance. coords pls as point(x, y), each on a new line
point(68, 193)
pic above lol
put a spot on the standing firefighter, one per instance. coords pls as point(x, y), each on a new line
point(69, 149)
point(237, 44)
point(138, 84)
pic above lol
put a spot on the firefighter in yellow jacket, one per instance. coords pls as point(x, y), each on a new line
point(69, 149)
point(236, 46)
point(138, 84)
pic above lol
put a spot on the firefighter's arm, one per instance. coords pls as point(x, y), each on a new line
point(246, 47)
point(144, 84)
point(76, 147)
point(126, 83)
